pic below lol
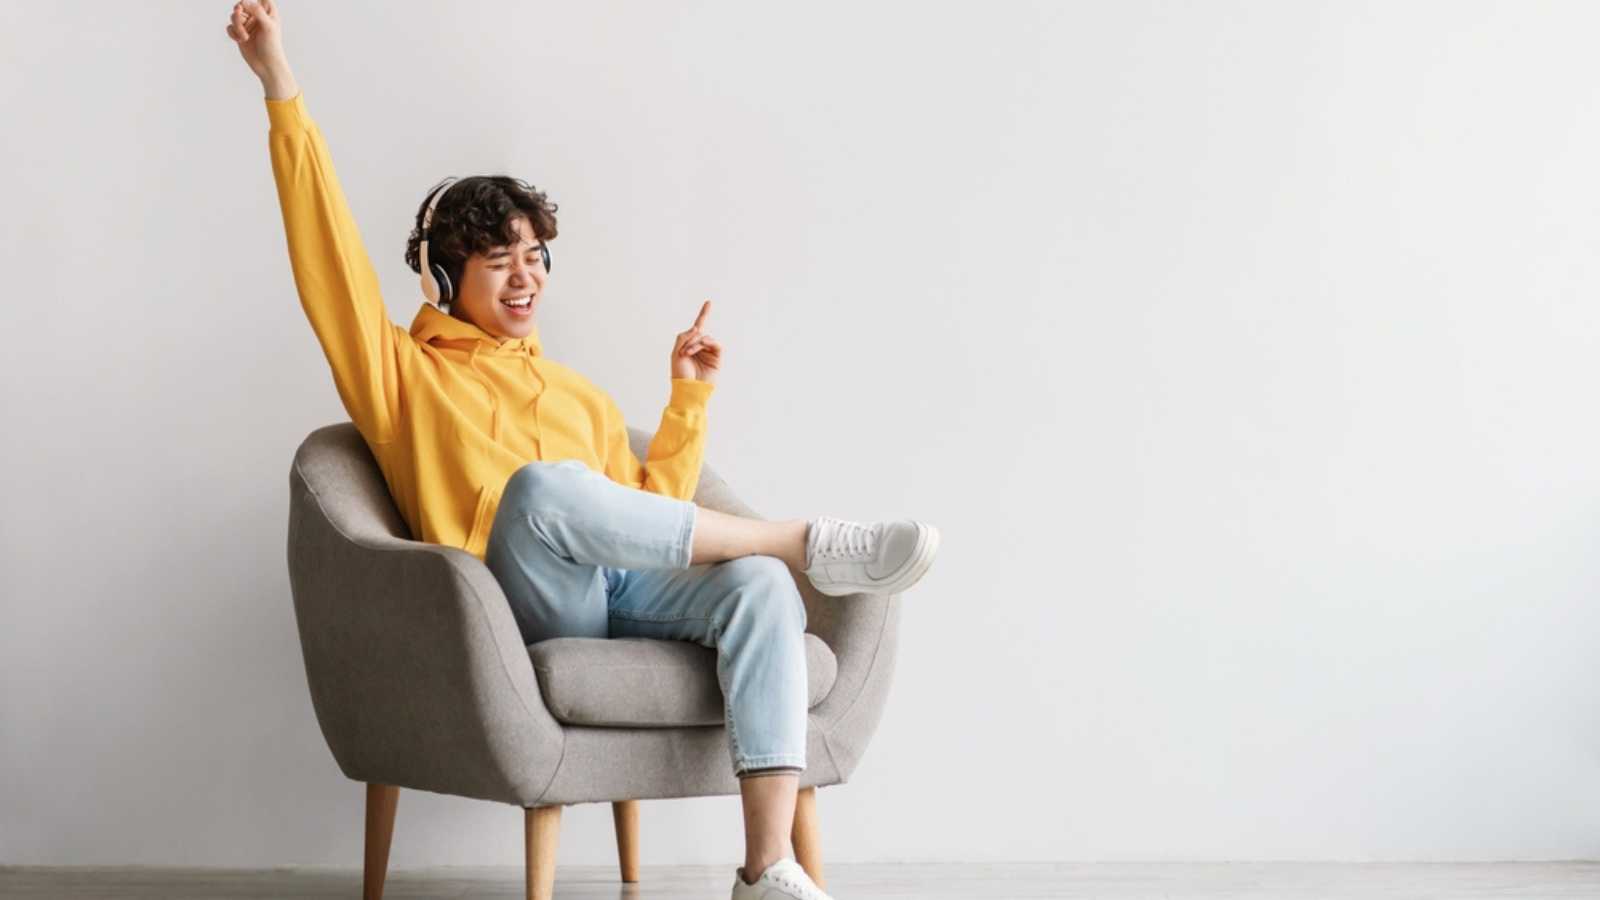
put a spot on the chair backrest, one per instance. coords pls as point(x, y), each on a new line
point(339, 469)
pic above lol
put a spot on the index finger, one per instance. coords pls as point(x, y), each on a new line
point(700, 319)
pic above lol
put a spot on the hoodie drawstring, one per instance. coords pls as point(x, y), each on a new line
point(494, 397)
point(534, 370)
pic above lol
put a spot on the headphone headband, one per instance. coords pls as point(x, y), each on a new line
point(427, 217)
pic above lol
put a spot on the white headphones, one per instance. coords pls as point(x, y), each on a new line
point(436, 284)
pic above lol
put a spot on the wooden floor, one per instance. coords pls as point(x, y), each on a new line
point(943, 881)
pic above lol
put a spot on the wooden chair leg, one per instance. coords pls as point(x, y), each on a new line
point(543, 827)
point(807, 836)
point(381, 802)
point(625, 813)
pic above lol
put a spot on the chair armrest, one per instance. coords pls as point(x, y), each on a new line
point(862, 630)
point(417, 672)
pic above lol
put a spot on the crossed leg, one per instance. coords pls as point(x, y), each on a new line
point(582, 555)
point(719, 536)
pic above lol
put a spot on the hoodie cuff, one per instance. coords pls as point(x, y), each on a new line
point(288, 115)
point(689, 393)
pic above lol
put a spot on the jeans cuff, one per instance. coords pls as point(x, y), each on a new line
point(776, 760)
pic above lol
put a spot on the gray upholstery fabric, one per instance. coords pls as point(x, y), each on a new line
point(645, 682)
point(419, 678)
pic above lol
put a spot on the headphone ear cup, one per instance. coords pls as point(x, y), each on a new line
point(544, 250)
point(446, 289)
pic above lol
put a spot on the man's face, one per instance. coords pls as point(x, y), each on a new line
point(500, 274)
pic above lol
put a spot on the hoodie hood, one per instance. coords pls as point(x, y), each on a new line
point(440, 329)
point(433, 326)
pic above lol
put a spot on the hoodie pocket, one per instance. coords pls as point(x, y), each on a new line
point(482, 520)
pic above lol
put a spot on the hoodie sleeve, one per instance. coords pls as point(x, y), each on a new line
point(337, 284)
point(672, 464)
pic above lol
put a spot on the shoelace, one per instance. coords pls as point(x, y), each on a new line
point(847, 540)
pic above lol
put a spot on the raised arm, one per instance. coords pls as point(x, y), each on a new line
point(337, 284)
point(672, 463)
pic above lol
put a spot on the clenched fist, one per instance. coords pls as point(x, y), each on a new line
point(696, 354)
point(257, 28)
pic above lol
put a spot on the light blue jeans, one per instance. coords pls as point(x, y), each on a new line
point(580, 555)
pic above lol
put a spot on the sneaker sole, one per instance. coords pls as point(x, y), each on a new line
point(921, 560)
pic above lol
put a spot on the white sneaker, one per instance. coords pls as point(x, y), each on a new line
point(878, 558)
point(783, 880)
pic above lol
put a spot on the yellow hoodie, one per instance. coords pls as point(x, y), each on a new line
point(448, 410)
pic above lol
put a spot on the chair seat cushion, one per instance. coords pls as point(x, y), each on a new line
point(645, 682)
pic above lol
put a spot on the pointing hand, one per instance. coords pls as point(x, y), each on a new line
point(696, 354)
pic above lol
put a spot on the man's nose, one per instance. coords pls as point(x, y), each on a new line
point(524, 274)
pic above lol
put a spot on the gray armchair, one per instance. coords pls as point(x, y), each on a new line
point(419, 677)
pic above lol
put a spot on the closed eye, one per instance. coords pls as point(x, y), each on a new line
point(533, 259)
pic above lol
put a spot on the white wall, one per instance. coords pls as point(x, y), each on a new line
point(1244, 353)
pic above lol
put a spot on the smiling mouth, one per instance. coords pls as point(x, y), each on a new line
point(524, 303)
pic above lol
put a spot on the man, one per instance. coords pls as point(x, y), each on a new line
point(488, 445)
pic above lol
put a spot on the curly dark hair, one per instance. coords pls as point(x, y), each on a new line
point(475, 215)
